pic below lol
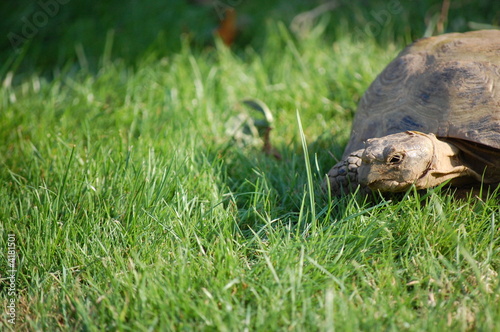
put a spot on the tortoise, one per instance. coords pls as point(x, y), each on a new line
point(431, 116)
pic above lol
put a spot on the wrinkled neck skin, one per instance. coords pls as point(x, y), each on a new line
point(445, 165)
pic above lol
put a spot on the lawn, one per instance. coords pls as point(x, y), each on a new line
point(132, 202)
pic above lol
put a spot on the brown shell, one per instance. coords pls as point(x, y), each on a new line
point(448, 85)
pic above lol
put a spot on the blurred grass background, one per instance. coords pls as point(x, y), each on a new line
point(55, 35)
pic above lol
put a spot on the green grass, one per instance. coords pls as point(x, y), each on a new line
point(133, 209)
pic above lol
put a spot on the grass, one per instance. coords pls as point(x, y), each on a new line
point(133, 209)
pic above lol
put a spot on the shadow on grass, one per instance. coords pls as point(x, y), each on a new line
point(266, 190)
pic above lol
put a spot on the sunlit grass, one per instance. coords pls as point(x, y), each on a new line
point(134, 210)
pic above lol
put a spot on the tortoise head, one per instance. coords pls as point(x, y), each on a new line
point(398, 161)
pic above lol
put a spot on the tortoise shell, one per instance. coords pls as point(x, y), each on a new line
point(447, 85)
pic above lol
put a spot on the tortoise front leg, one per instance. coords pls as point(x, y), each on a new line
point(343, 177)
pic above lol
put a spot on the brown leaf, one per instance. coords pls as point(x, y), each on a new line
point(227, 29)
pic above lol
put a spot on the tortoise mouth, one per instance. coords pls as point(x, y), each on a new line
point(389, 185)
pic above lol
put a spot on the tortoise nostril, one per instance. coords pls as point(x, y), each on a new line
point(367, 157)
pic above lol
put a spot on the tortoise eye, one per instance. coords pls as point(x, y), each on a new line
point(395, 159)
